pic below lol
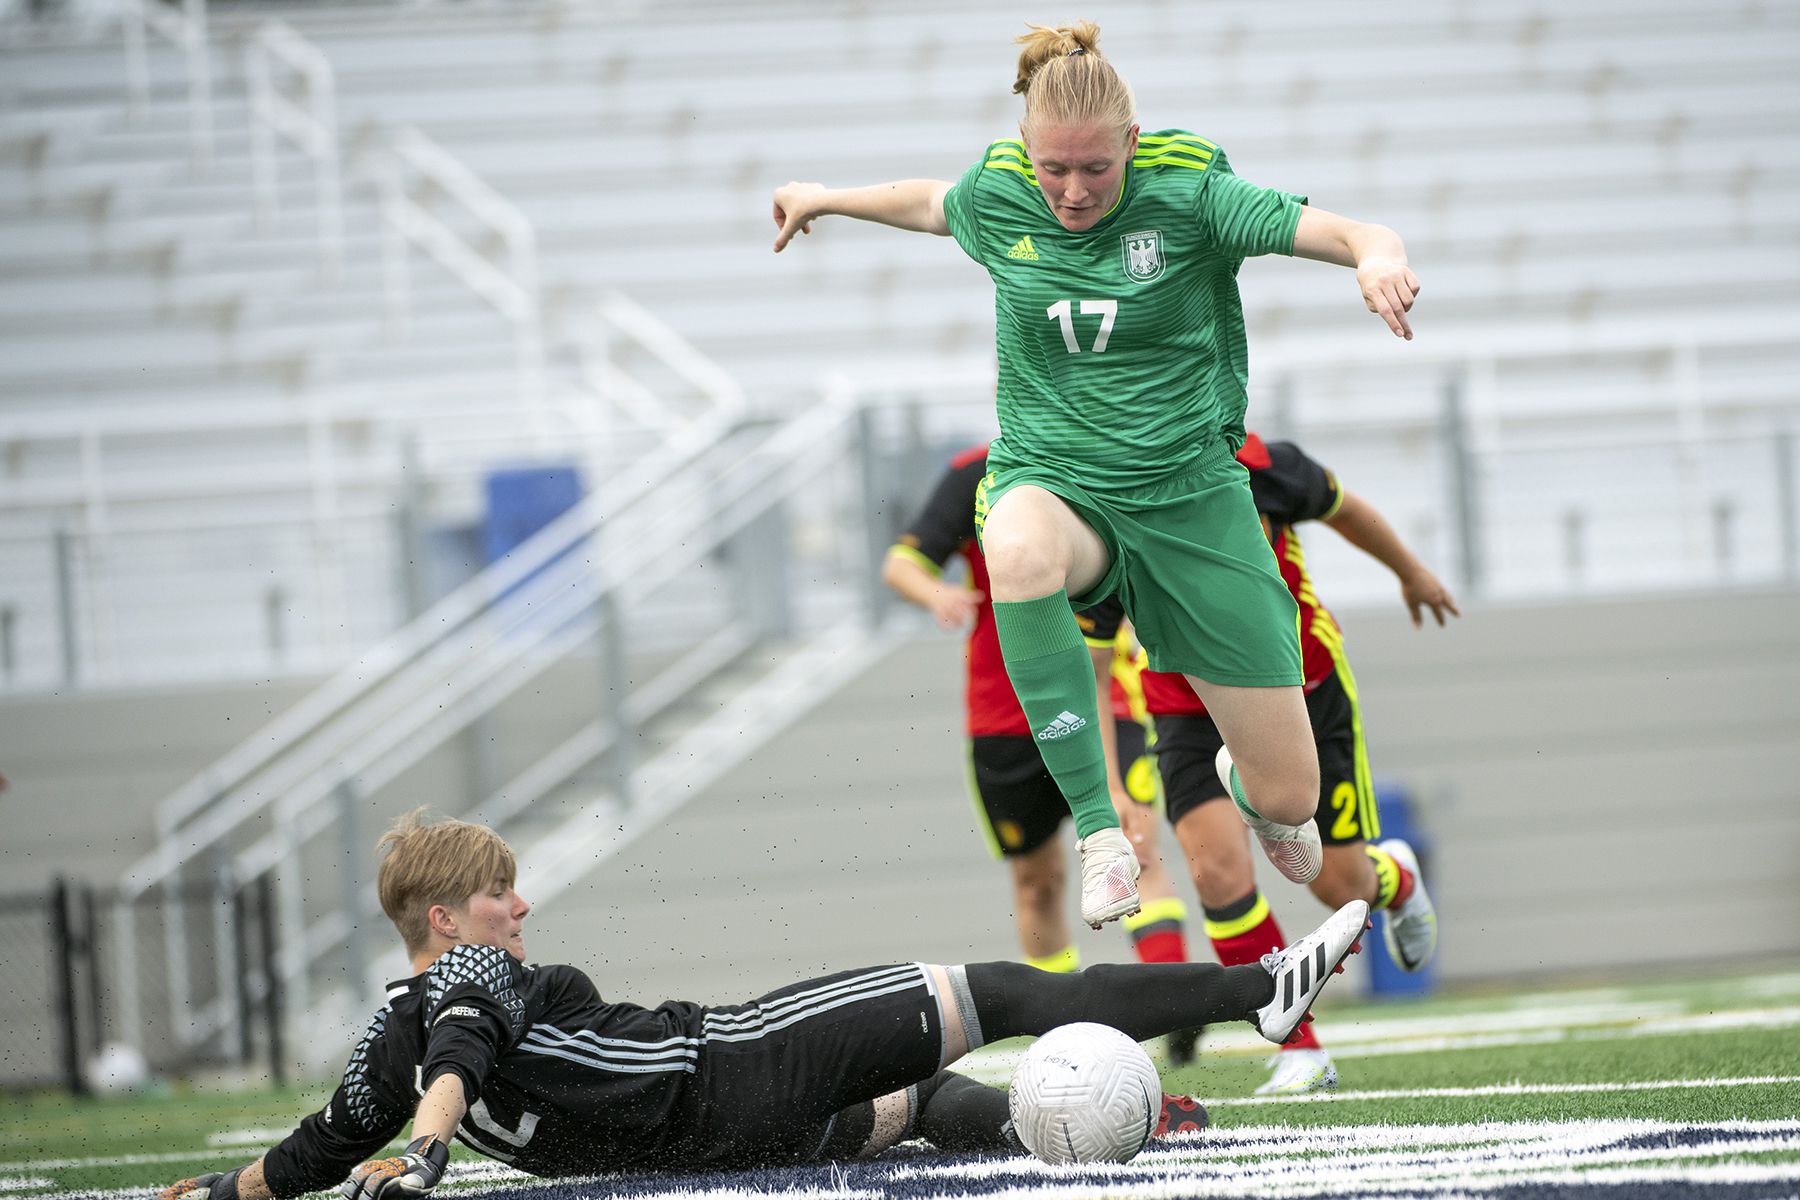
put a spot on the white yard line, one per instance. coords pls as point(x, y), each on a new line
point(1281, 1162)
point(116, 1160)
point(1442, 1161)
point(1504, 1089)
point(1370, 1039)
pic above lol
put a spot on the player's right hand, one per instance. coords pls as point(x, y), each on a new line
point(408, 1176)
point(955, 608)
point(792, 214)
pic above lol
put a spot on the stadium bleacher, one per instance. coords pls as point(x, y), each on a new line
point(220, 460)
point(1619, 170)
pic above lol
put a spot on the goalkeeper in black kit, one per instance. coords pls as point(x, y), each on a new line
point(528, 1065)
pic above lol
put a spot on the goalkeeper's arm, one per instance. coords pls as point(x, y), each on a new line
point(245, 1183)
point(413, 1173)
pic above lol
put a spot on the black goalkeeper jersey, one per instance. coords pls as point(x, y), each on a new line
point(559, 1082)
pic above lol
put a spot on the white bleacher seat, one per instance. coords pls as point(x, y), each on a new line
point(1620, 165)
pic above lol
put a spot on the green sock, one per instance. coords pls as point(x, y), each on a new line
point(1054, 677)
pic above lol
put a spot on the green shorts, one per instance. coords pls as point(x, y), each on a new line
point(1191, 565)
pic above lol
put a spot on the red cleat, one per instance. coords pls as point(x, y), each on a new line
point(1181, 1114)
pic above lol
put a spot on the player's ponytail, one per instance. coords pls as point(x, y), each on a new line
point(1066, 81)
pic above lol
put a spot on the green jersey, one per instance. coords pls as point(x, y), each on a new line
point(1122, 352)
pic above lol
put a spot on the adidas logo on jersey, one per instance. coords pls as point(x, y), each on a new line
point(1066, 723)
point(1023, 250)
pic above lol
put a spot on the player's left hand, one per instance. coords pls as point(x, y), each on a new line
point(1389, 288)
point(1424, 590)
point(406, 1176)
point(221, 1185)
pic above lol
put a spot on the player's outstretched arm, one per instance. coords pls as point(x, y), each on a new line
point(1363, 526)
point(914, 204)
point(245, 1183)
point(1379, 256)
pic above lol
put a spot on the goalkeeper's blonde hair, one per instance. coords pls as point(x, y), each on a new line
point(1066, 80)
point(425, 865)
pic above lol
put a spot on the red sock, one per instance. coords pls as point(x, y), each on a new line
point(1242, 933)
point(1167, 947)
point(1157, 931)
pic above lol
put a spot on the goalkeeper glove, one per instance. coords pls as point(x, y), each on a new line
point(409, 1176)
point(219, 1185)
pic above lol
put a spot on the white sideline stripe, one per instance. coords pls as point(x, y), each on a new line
point(1503, 1089)
point(131, 1160)
point(462, 1178)
point(1475, 1031)
point(1280, 1161)
point(247, 1137)
point(1754, 1018)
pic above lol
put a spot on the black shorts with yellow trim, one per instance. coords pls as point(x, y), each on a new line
point(1186, 747)
point(1019, 804)
point(1137, 760)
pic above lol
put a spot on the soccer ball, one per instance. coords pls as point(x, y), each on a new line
point(1085, 1093)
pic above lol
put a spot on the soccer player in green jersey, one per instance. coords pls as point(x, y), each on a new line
point(1123, 366)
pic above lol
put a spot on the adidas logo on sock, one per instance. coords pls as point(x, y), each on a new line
point(1066, 723)
point(1023, 250)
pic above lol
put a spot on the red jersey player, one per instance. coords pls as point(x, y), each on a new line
point(1289, 488)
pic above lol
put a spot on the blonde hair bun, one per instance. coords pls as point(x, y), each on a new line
point(1067, 81)
point(1045, 42)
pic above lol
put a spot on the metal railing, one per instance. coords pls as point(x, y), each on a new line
point(573, 581)
point(311, 126)
point(318, 489)
point(512, 289)
point(620, 321)
point(186, 29)
point(1480, 426)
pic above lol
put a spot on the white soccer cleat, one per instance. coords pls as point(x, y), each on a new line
point(1301, 970)
point(1109, 871)
point(1299, 1071)
point(1295, 850)
point(1411, 931)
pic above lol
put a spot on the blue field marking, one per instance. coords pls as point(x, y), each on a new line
point(1577, 1160)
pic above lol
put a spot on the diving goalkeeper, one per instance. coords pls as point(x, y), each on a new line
point(529, 1065)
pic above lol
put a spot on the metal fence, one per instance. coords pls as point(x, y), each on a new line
point(63, 1019)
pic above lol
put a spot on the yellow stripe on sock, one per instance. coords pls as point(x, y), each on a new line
point(1169, 908)
point(1387, 875)
point(1259, 912)
point(1063, 962)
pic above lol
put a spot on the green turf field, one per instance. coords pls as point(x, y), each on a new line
point(1704, 1050)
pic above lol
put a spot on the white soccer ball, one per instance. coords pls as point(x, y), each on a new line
point(1085, 1093)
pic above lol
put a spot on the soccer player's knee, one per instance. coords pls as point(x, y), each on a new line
point(1023, 567)
point(1039, 880)
point(1290, 796)
point(1040, 895)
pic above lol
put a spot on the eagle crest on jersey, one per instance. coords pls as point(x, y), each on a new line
point(488, 968)
point(1143, 255)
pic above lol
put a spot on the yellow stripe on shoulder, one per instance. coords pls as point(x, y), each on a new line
point(1162, 139)
point(1167, 160)
point(1146, 150)
point(1007, 166)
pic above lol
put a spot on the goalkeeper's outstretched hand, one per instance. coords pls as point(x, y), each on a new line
point(409, 1176)
point(218, 1185)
